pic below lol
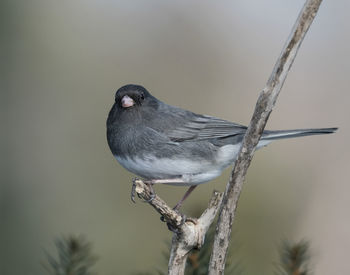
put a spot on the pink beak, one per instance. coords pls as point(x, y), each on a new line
point(127, 101)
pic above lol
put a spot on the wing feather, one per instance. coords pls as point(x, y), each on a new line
point(201, 127)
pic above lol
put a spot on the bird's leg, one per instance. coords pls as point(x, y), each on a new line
point(188, 192)
point(166, 181)
point(174, 181)
point(150, 184)
point(177, 207)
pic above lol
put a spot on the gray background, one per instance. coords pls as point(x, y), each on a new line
point(63, 61)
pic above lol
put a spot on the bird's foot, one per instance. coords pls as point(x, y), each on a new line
point(176, 228)
point(149, 184)
point(133, 190)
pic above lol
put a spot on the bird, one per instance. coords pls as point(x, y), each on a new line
point(164, 144)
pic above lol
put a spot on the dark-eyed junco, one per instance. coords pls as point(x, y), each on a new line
point(165, 144)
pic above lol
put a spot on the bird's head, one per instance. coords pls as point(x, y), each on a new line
point(132, 103)
point(133, 97)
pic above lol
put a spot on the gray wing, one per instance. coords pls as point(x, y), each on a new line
point(201, 127)
point(179, 125)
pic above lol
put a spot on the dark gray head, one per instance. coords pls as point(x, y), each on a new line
point(132, 97)
point(130, 101)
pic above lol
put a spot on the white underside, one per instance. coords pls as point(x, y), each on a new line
point(190, 172)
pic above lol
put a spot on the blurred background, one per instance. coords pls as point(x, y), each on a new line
point(62, 62)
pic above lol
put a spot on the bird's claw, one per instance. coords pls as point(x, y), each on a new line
point(176, 228)
point(133, 191)
point(153, 195)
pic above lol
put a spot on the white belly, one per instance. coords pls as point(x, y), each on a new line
point(192, 172)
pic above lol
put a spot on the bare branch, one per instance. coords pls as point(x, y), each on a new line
point(189, 232)
point(170, 216)
point(263, 108)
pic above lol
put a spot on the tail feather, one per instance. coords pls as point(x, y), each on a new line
point(272, 135)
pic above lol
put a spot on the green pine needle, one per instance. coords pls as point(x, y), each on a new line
point(74, 257)
point(294, 258)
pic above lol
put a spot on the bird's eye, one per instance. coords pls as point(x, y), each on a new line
point(142, 96)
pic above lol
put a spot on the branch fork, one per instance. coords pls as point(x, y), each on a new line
point(189, 233)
